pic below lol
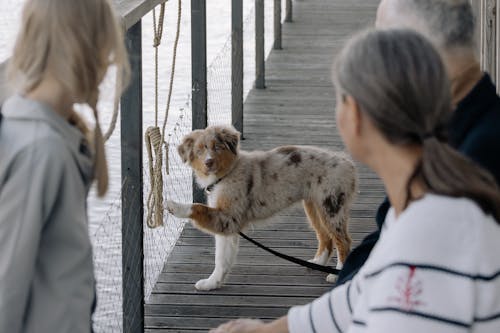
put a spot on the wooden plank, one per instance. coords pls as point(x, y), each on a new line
point(239, 269)
point(228, 311)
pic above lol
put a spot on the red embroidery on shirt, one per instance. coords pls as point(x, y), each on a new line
point(409, 290)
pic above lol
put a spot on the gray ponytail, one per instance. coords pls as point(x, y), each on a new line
point(400, 83)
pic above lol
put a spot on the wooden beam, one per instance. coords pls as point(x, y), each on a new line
point(131, 11)
point(132, 198)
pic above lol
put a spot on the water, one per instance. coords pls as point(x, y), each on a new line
point(105, 214)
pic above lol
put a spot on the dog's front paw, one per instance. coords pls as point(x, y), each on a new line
point(179, 210)
point(208, 284)
point(332, 278)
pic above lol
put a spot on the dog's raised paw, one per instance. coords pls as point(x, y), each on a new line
point(179, 210)
point(207, 284)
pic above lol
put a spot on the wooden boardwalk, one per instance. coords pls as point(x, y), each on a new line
point(296, 108)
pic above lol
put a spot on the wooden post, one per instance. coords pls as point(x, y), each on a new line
point(289, 11)
point(260, 76)
point(277, 25)
point(199, 74)
point(237, 64)
point(132, 201)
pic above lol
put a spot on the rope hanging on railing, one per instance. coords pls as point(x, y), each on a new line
point(155, 139)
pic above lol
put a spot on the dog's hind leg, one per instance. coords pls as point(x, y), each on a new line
point(325, 245)
point(335, 210)
point(341, 238)
point(226, 250)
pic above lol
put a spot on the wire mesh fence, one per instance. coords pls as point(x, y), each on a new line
point(219, 71)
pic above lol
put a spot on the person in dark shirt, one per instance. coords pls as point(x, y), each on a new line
point(474, 126)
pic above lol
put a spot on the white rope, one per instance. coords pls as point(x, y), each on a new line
point(155, 139)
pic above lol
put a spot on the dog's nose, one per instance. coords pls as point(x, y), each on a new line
point(209, 163)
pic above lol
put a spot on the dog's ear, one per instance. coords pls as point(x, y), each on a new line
point(185, 149)
point(231, 138)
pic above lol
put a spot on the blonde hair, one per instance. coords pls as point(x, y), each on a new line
point(75, 42)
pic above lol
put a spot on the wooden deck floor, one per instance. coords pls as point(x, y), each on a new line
point(296, 108)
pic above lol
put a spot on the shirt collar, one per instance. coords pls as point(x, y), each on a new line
point(28, 109)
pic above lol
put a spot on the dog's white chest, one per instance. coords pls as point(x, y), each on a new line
point(212, 197)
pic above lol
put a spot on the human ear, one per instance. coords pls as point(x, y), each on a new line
point(354, 114)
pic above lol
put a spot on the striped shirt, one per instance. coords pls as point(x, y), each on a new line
point(436, 268)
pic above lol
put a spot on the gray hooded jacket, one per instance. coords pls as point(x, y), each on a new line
point(46, 271)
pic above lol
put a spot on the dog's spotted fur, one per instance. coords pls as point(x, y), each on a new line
point(251, 186)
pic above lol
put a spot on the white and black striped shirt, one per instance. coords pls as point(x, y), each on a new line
point(436, 268)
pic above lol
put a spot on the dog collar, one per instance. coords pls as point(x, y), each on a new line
point(210, 187)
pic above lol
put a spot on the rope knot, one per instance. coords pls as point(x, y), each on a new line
point(156, 41)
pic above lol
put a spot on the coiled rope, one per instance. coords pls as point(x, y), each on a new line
point(155, 139)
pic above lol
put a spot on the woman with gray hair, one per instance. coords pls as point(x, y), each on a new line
point(430, 271)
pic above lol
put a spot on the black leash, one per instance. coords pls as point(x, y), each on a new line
point(298, 261)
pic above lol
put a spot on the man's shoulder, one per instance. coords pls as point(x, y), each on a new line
point(483, 139)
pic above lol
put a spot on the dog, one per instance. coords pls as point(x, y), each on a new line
point(246, 187)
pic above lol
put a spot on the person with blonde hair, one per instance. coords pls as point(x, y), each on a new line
point(436, 266)
point(48, 160)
